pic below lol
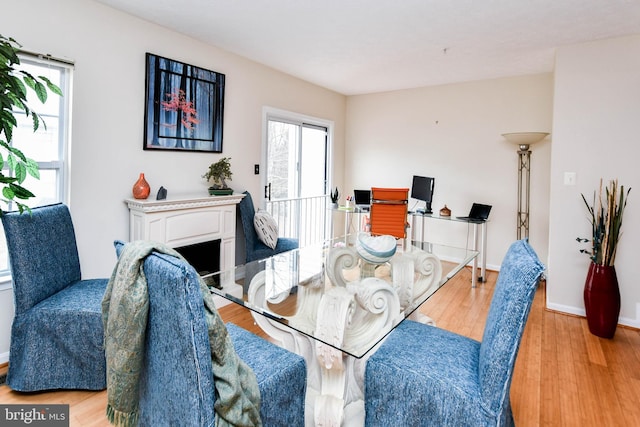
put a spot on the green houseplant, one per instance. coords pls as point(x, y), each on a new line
point(601, 291)
point(217, 174)
point(13, 96)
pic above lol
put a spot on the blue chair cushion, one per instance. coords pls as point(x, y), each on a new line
point(262, 251)
point(434, 369)
point(62, 337)
point(274, 367)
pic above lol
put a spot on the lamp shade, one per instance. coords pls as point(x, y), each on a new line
point(524, 139)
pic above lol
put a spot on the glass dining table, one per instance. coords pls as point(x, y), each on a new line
point(335, 302)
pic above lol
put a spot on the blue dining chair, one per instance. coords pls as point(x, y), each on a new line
point(425, 376)
point(56, 335)
point(255, 249)
point(177, 386)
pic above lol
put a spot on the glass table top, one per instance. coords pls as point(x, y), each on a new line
point(357, 287)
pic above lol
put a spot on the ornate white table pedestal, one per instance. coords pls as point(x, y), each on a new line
point(345, 313)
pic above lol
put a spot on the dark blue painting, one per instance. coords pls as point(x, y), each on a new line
point(183, 107)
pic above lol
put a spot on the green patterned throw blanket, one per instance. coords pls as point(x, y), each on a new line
point(125, 309)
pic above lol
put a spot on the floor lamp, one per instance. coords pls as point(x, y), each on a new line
point(523, 140)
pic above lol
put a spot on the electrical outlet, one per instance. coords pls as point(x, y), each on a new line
point(256, 169)
point(569, 178)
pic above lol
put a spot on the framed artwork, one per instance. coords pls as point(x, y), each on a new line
point(184, 107)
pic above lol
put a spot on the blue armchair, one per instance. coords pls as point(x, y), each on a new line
point(177, 383)
point(57, 335)
point(425, 376)
point(255, 249)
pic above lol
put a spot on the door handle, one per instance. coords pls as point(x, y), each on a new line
point(267, 191)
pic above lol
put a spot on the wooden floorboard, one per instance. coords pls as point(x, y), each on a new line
point(564, 376)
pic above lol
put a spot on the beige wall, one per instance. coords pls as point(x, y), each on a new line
point(453, 133)
point(596, 116)
point(108, 48)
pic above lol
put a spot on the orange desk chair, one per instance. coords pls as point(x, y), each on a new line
point(389, 211)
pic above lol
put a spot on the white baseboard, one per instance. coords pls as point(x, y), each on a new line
point(635, 323)
point(626, 321)
point(566, 309)
point(4, 358)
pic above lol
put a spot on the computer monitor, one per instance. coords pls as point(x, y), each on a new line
point(422, 189)
point(362, 198)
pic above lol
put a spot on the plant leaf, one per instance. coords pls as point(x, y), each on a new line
point(32, 168)
point(28, 80)
point(41, 91)
point(17, 153)
point(20, 172)
point(7, 192)
point(52, 87)
point(36, 122)
point(20, 192)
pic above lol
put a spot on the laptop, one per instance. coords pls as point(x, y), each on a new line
point(362, 199)
point(478, 213)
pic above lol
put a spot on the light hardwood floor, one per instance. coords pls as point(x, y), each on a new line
point(564, 376)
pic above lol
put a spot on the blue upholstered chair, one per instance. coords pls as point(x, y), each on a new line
point(177, 384)
point(57, 335)
point(255, 249)
point(425, 376)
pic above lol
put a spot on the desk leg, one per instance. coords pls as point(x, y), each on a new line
point(483, 254)
point(347, 221)
point(474, 273)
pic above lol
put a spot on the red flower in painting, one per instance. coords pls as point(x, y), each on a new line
point(178, 102)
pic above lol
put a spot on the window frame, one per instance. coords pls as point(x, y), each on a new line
point(61, 165)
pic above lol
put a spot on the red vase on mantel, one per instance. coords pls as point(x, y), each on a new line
point(141, 188)
point(602, 300)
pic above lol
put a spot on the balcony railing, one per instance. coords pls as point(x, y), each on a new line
point(306, 218)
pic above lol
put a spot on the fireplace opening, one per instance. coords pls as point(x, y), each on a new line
point(205, 258)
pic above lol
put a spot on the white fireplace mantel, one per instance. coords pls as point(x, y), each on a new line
point(187, 219)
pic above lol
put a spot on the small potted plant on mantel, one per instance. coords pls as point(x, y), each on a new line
point(217, 174)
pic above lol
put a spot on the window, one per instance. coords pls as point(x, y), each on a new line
point(47, 146)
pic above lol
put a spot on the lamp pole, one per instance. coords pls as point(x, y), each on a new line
point(524, 140)
point(524, 188)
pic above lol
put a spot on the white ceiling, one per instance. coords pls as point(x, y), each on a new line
point(365, 46)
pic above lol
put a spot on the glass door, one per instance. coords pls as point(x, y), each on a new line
point(296, 178)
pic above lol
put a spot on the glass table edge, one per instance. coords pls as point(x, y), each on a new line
point(470, 254)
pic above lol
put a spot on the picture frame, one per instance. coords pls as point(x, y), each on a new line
point(184, 106)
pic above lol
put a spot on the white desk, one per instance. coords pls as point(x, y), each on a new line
point(478, 227)
point(479, 233)
point(349, 213)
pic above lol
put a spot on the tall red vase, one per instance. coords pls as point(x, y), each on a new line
point(602, 300)
point(141, 188)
